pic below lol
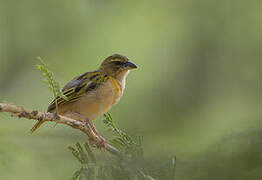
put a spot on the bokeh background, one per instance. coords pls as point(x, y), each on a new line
point(197, 93)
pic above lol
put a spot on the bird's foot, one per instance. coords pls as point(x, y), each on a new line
point(103, 142)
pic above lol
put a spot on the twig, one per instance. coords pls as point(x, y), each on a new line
point(39, 116)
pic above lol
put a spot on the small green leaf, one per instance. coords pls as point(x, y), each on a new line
point(90, 153)
point(76, 154)
point(76, 175)
point(81, 152)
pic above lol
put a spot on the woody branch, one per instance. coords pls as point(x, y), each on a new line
point(22, 112)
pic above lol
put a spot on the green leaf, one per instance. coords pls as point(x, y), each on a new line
point(53, 85)
point(76, 175)
point(90, 153)
point(75, 154)
point(81, 152)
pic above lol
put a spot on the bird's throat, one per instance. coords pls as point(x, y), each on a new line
point(121, 77)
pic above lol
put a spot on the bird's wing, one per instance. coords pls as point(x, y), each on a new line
point(78, 86)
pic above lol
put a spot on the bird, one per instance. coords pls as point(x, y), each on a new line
point(93, 93)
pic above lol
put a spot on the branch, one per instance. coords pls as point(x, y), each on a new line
point(39, 116)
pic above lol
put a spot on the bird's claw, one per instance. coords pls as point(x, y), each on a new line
point(103, 142)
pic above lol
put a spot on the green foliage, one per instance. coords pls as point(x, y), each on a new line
point(104, 170)
point(49, 79)
point(131, 165)
point(87, 160)
point(122, 140)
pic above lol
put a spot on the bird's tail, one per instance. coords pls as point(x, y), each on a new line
point(36, 126)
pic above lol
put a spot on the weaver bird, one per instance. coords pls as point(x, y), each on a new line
point(92, 94)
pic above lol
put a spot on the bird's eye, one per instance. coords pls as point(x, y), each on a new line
point(117, 63)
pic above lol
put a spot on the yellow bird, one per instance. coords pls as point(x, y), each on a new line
point(92, 94)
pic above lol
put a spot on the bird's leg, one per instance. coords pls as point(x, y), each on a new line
point(90, 122)
point(93, 128)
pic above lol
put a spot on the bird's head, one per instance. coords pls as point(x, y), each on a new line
point(116, 65)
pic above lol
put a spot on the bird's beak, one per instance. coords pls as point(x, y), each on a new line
point(130, 65)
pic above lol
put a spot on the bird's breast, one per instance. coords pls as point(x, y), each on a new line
point(99, 101)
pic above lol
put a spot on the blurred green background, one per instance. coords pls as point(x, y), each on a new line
point(196, 94)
